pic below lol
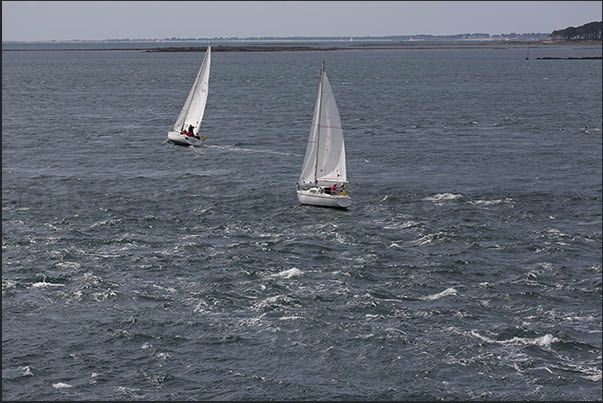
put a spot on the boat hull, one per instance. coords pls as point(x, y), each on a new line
point(183, 140)
point(314, 198)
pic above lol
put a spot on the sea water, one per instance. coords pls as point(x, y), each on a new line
point(468, 266)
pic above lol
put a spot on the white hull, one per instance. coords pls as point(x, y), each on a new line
point(314, 198)
point(183, 140)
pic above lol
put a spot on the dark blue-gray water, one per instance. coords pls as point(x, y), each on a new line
point(468, 267)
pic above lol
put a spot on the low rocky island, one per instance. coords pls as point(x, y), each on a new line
point(258, 48)
point(570, 58)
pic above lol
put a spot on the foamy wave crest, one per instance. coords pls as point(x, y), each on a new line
point(294, 272)
point(26, 370)
point(544, 341)
point(164, 356)
point(445, 293)
point(168, 289)
point(202, 307)
point(68, 265)
point(271, 301)
point(507, 200)
point(441, 197)
point(6, 284)
point(294, 317)
point(402, 225)
point(44, 284)
point(61, 385)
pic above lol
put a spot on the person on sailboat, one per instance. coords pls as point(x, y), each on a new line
point(190, 130)
point(333, 189)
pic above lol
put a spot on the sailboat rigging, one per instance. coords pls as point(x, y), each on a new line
point(323, 177)
point(185, 130)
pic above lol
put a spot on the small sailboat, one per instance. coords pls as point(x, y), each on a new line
point(185, 131)
point(323, 175)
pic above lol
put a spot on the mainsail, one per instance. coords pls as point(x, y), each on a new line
point(194, 107)
point(324, 162)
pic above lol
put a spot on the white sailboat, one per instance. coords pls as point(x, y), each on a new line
point(186, 128)
point(323, 176)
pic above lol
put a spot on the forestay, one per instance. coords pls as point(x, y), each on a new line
point(324, 162)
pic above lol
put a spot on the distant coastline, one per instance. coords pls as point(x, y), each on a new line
point(309, 45)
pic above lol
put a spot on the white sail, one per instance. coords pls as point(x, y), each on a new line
point(194, 107)
point(309, 166)
point(324, 161)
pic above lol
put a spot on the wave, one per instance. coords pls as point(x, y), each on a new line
point(441, 197)
point(271, 302)
point(26, 371)
point(543, 341)
point(7, 284)
point(61, 385)
point(44, 284)
point(445, 293)
point(294, 272)
point(402, 225)
point(491, 202)
point(237, 147)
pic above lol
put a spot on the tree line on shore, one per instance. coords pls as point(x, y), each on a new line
point(592, 30)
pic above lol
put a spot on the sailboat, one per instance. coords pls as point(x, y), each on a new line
point(185, 131)
point(323, 175)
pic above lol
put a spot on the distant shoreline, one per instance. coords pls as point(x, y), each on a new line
point(305, 46)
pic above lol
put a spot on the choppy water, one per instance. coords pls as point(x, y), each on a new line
point(468, 267)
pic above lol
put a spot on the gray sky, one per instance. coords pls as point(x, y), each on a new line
point(90, 20)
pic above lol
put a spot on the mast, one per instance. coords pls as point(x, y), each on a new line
point(322, 69)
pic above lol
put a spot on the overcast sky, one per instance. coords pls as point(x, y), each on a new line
point(97, 20)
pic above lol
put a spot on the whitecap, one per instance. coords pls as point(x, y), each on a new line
point(103, 295)
point(365, 336)
point(445, 293)
point(68, 265)
point(294, 317)
point(169, 289)
point(294, 272)
point(272, 301)
point(485, 202)
point(6, 284)
point(402, 225)
point(163, 356)
point(61, 385)
point(544, 341)
point(555, 232)
point(26, 370)
point(44, 284)
point(444, 197)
